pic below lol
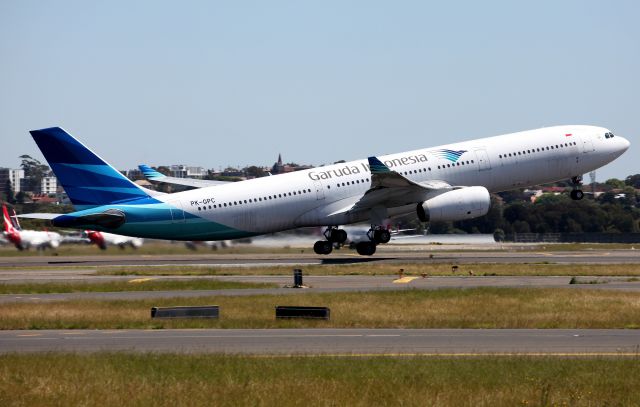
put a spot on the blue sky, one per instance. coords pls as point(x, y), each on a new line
point(217, 84)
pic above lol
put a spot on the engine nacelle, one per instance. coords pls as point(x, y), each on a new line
point(459, 204)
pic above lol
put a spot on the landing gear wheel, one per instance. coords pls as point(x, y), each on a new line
point(381, 236)
point(577, 194)
point(366, 248)
point(335, 235)
point(340, 236)
point(323, 247)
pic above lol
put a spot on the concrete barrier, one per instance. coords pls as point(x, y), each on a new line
point(207, 311)
point(284, 312)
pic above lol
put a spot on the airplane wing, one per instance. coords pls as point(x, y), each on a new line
point(389, 189)
point(155, 176)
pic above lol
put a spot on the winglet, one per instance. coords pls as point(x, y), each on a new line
point(377, 167)
point(150, 173)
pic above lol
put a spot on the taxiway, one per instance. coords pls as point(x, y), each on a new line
point(463, 342)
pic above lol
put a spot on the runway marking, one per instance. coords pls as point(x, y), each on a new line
point(74, 333)
point(404, 280)
point(450, 354)
point(140, 280)
point(29, 335)
point(383, 335)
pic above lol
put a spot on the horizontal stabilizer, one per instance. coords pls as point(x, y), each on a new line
point(46, 216)
point(109, 219)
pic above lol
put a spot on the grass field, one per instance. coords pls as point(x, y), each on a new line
point(447, 308)
point(175, 380)
point(409, 269)
point(140, 284)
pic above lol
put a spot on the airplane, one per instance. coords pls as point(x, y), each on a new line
point(157, 177)
point(26, 239)
point(448, 183)
point(104, 239)
point(208, 244)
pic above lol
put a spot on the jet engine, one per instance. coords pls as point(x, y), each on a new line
point(459, 204)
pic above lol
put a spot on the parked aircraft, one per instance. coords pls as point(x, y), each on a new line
point(26, 239)
point(155, 176)
point(104, 239)
point(450, 182)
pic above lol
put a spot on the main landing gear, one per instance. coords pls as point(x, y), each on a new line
point(377, 235)
point(576, 193)
point(333, 235)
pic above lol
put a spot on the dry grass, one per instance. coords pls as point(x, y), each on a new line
point(187, 380)
point(447, 308)
point(140, 284)
point(506, 269)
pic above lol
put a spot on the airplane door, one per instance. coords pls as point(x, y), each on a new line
point(177, 214)
point(587, 144)
point(483, 160)
point(319, 190)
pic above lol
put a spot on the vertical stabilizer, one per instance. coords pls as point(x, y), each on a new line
point(86, 178)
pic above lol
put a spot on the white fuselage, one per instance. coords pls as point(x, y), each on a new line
point(27, 239)
point(317, 197)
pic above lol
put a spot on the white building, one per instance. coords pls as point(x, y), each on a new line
point(49, 185)
point(15, 176)
point(184, 171)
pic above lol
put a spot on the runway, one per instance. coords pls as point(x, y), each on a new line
point(320, 284)
point(561, 342)
point(384, 256)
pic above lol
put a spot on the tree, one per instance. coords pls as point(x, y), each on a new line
point(615, 183)
point(255, 172)
point(633, 180)
point(11, 198)
point(34, 171)
point(21, 197)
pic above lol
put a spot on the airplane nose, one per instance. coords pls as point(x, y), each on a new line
point(624, 143)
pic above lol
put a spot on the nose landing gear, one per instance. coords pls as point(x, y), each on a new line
point(576, 193)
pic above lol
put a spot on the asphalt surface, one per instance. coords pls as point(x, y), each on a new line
point(320, 284)
point(563, 342)
point(423, 256)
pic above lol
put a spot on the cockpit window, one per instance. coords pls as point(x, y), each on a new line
point(608, 135)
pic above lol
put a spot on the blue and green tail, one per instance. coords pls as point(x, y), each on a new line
point(86, 178)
